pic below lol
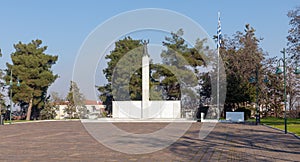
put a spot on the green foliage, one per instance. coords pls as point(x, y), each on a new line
point(164, 83)
point(32, 67)
point(241, 55)
point(70, 110)
point(182, 59)
point(2, 102)
point(170, 83)
point(49, 110)
point(75, 101)
point(127, 80)
point(122, 47)
point(126, 52)
point(104, 114)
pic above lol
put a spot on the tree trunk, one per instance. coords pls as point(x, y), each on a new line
point(29, 110)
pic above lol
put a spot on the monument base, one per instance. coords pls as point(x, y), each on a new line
point(146, 110)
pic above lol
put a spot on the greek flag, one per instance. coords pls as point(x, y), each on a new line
point(219, 33)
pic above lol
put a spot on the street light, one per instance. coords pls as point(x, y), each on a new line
point(256, 81)
point(279, 70)
point(1, 120)
point(11, 84)
point(297, 70)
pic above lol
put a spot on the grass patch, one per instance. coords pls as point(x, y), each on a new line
point(293, 125)
point(18, 121)
point(294, 128)
point(15, 121)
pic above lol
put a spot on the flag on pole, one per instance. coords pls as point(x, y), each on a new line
point(219, 33)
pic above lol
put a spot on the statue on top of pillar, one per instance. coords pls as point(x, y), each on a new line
point(145, 49)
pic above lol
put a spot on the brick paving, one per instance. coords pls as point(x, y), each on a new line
point(69, 141)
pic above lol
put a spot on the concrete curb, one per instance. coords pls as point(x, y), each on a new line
point(110, 120)
point(39, 121)
point(120, 120)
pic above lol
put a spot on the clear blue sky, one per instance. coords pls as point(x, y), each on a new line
point(63, 25)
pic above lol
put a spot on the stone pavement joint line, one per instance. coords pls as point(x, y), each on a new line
point(69, 141)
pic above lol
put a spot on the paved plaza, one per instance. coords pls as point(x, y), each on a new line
point(69, 141)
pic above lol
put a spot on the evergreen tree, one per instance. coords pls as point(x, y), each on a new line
point(187, 86)
point(49, 109)
point(76, 107)
point(241, 55)
point(32, 67)
point(193, 59)
point(2, 102)
point(124, 63)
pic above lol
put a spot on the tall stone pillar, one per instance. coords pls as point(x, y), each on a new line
point(145, 80)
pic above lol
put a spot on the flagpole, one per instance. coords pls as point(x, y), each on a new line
point(218, 67)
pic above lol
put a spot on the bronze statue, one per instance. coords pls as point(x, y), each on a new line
point(145, 49)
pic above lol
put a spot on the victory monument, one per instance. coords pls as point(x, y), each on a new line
point(146, 108)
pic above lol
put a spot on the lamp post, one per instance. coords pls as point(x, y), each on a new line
point(256, 81)
point(1, 120)
point(11, 84)
point(257, 119)
point(280, 70)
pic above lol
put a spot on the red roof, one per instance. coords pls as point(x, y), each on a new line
point(92, 102)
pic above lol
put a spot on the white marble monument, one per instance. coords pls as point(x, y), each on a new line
point(146, 109)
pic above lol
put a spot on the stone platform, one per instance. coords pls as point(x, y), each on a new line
point(69, 141)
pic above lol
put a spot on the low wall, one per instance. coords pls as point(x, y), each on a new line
point(235, 116)
point(151, 109)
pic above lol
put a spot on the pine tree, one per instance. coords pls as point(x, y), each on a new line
point(183, 58)
point(49, 109)
point(76, 103)
point(124, 64)
point(241, 55)
point(2, 102)
point(32, 67)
